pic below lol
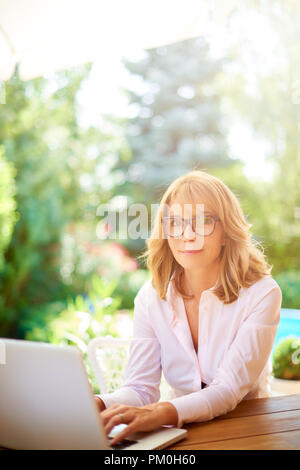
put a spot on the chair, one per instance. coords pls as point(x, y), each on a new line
point(108, 357)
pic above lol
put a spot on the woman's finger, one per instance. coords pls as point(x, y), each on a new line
point(131, 428)
point(112, 411)
point(114, 421)
point(140, 421)
point(120, 418)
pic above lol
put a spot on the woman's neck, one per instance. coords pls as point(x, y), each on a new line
point(195, 282)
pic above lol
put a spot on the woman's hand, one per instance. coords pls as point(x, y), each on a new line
point(141, 418)
point(99, 403)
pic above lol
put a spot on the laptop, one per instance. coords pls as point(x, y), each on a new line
point(46, 402)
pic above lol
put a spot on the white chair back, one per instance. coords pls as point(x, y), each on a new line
point(109, 357)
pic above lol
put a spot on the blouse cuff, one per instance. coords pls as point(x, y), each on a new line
point(188, 412)
point(124, 396)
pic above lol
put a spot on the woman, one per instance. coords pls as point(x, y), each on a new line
point(208, 317)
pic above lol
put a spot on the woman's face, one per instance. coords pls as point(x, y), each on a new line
point(192, 250)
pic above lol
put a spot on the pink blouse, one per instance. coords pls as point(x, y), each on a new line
point(234, 346)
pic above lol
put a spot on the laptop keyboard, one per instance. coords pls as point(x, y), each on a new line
point(122, 444)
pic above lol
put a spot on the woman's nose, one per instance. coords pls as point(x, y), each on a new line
point(189, 232)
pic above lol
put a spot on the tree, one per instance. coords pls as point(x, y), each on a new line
point(178, 123)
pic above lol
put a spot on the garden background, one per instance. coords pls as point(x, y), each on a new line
point(227, 105)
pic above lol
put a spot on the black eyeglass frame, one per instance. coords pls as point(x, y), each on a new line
point(188, 221)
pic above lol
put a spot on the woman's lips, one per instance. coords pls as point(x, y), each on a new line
point(190, 252)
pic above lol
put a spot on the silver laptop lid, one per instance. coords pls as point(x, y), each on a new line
point(46, 401)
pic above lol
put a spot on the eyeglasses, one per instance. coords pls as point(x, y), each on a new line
point(203, 225)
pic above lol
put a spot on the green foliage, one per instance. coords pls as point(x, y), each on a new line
point(129, 284)
point(35, 320)
point(286, 359)
point(81, 256)
point(251, 196)
point(54, 158)
point(269, 107)
point(8, 214)
point(87, 316)
point(289, 282)
point(177, 125)
point(84, 318)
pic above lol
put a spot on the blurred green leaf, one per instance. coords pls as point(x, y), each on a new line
point(286, 359)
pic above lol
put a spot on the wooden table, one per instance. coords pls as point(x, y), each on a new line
point(262, 423)
point(259, 424)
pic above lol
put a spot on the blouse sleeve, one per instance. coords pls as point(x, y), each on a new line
point(143, 372)
point(241, 365)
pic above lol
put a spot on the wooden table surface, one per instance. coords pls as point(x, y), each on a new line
point(261, 423)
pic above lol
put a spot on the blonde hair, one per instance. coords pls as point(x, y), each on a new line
point(242, 261)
